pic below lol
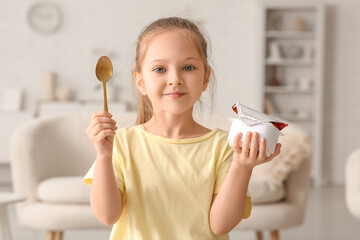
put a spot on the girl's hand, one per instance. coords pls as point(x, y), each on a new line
point(101, 132)
point(252, 152)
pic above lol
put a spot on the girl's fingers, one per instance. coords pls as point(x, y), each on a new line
point(106, 133)
point(236, 142)
point(98, 120)
point(102, 127)
point(277, 152)
point(101, 113)
point(106, 136)
point(262, 150)
point(254, 145)
point(246, 145)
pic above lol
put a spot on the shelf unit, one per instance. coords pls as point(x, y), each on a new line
point(291, 72)
point(56, 108)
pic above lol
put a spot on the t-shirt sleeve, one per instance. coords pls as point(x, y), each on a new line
point(248, 206)
point(118, 170)
point(222, 167)
point(89, 175)
point(117, 161)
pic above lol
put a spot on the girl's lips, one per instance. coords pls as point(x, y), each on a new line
point(174, 94)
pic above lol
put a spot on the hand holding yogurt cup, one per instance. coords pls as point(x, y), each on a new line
point(252, 151)
point(254, 135)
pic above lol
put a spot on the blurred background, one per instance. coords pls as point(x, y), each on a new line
point(49, 49)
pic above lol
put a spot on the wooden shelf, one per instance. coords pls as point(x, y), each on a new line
point(294, 117)
point(290, 34)
point(289, 62)
point(56, 108)
point(287, 90)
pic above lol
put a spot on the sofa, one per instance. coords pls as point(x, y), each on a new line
point(51, 155)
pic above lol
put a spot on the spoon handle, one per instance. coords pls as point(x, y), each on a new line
point(105, 106)
point(105, 98)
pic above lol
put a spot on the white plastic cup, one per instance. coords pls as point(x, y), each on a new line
point(267, 131)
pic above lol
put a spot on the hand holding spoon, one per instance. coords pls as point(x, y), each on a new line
point(104, 71)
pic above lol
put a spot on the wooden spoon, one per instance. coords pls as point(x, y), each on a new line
point(104, 71)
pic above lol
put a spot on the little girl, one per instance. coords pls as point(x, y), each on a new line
point(169, 177)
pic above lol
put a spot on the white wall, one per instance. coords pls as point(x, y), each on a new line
point(342, 86)
point(93, 28)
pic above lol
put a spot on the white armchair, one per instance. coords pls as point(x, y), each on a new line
point(352, 183)
point(50, 156)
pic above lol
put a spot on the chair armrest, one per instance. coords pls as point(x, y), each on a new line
point(25, 177)
point(352, 183)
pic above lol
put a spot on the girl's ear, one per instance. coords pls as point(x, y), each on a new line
point(207, 78)
point(140, 82)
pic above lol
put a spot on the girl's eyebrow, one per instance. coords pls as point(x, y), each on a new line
point(156, 60)
point(164, 60)
point(192, 58)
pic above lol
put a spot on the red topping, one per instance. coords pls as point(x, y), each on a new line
point(235, 108)
point(279, 125)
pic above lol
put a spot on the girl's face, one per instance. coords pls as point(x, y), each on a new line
point(173, 73)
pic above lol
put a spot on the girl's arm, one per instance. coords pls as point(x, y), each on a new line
point(105, 197)
point(228, 206)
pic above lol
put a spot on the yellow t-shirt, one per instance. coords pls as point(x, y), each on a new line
point(168, 184)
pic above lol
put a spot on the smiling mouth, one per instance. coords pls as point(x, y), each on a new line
point(174, 94)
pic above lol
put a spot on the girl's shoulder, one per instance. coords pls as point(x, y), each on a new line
point(221, 133)
point(128, 130)
point(221, 137)
point(128, 135)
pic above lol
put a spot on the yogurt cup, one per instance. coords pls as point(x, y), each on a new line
point(265, 130)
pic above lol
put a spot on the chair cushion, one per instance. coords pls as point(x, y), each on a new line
point(64, 190)
point(59, 217)
point(261, 192)
point(73, 190)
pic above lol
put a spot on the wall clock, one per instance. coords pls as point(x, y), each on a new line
point(44, 17)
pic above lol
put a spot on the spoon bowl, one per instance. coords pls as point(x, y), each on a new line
point(104, 71)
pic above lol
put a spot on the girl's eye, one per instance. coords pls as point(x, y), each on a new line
point(188, 68)
point(159, 69)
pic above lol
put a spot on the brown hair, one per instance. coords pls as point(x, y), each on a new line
point(191, 31)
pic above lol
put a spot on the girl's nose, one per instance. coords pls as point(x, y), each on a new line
point(175, 83)
point(175, 80)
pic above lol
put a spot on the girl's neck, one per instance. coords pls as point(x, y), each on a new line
point(177, 126)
